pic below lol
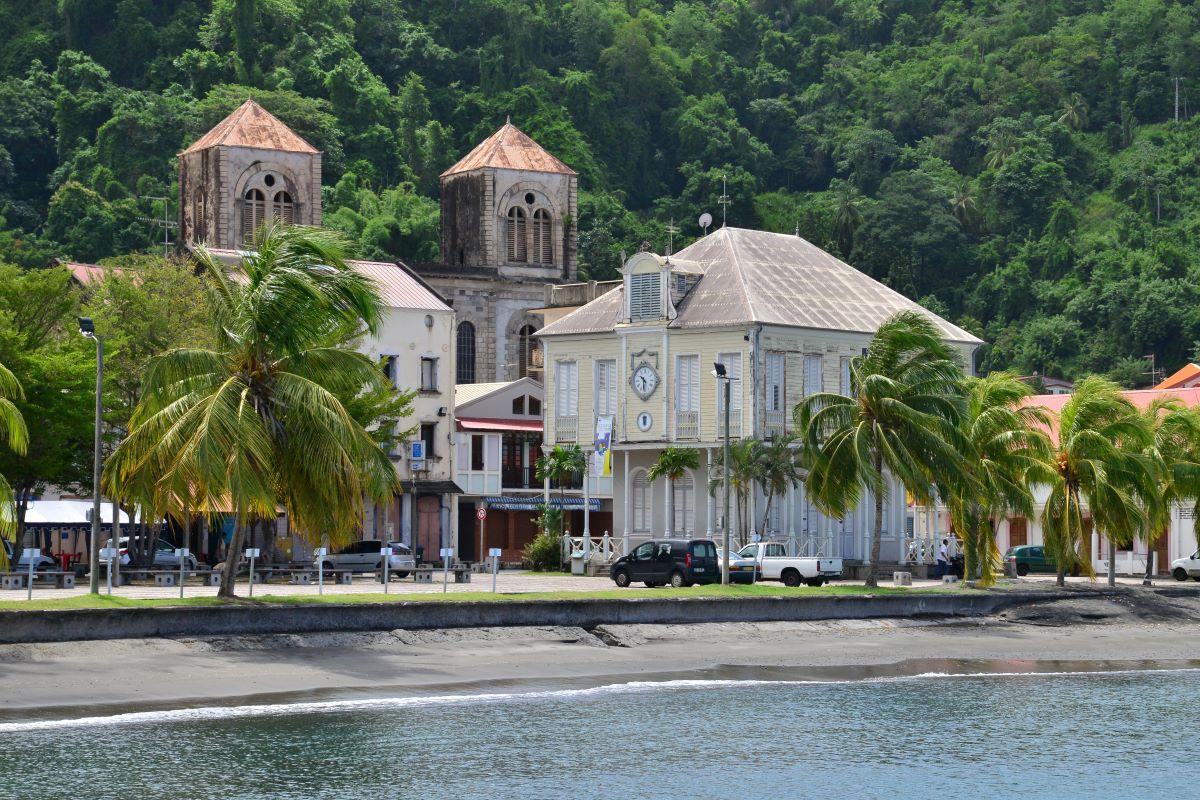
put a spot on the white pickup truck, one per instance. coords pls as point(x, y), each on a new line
point(774, 564)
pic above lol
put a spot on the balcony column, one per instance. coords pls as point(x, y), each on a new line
point(587, 513)
point(791, 518)
point(628, 505)
point(712, 503)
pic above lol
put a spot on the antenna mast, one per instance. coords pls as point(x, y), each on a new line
point(671, 231)
point(165, 223)
point(723, 200)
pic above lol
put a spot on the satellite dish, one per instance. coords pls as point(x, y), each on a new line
point(705, 220)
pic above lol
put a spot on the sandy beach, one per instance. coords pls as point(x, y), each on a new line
point(95, 678)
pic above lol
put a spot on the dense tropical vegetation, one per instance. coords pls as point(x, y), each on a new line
point(1016, 165)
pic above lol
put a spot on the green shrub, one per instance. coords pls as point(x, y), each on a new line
point(544, 553)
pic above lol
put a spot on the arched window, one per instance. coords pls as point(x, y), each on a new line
point(283, 208)
point(254, 210)
point(199, 234)
point(642, 503)
point(527, 350)
point(517, 248)
point(465, 366)
point(543, 248)
point(683, 502)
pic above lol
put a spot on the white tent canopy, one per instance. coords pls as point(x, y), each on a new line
point(69, 512)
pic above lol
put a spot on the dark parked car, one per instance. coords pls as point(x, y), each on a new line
point(1030, 558)
point(679, 562)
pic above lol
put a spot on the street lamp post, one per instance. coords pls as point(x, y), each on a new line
point(721, 375)
point(88, 329)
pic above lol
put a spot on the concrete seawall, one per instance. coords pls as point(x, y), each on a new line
point(135, 623)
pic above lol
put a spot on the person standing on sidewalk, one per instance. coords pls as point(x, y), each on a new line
point(943, 558)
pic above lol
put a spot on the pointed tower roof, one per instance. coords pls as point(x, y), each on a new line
point(509, 148)
point(251, 125)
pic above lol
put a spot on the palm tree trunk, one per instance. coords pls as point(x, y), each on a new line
point(1112, 562)
point(1148, 580)
point(876, 529)
point(767, 510)
point(229, 574)
point(670, 505)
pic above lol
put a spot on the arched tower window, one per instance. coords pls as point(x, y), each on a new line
point(527, 348)
point(284, 210)
point(517, 247)
point(543, 248)
point(254, 210)
point(465, 366)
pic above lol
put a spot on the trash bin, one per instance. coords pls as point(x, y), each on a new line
point(578, 563)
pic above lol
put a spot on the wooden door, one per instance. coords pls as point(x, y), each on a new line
point(429, 527)
point(1018, 532)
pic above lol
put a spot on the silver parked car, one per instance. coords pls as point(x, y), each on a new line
point(364, 557)
point(164, 555)
point(42, 563)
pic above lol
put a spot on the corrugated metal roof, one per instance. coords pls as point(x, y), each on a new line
point(87, 274)
point(470, 392)
point(1181, 377)
point(509, 148)
point(251, 125)
point(398, 288)
point(770, 278)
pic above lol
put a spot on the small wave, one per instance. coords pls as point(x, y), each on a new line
point(207, 713)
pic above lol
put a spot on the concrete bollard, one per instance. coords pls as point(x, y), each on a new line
point(166, 579)
point(901, 579)
point(949, 579)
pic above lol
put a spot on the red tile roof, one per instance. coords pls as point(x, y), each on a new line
point(509, 148)
point(251, 125)
point(1183, 375)
point(87, 274)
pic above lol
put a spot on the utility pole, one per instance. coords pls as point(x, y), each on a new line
point(165, 223)
point(1177, 82)
point(723, 201)
point(1153, 373)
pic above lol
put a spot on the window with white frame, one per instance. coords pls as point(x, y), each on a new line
point(845, 365)
point(606, 387)
point(683, 501)
point(642, 502)
point(775, 517)
point(687, 396)
point(566, 388)
point(733, 368)
point(645, 296)
point(775, 386)
point(813, 366)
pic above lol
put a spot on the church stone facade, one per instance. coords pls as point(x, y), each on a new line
point(509, 212)
point(509, 226)
point(246, 170)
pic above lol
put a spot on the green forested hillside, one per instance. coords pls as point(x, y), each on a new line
point(1015, 165)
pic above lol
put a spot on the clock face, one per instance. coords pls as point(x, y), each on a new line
point(644, 381)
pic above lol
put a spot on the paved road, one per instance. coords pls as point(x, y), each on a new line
point(507, 582)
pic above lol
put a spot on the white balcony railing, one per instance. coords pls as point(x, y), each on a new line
point(687, 424)
point(566, 429)
point(735, 423)
point(776, 424)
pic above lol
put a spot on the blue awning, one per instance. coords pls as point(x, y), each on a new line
point(535, 503)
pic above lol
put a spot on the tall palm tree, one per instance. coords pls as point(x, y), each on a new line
point(261, 420)
point(672, 464)
point(559, 465)
point(779, 465)
point(743, 472)
point(1002, 144)
point(1175, 447)
point(1007, 451)
point(847, 217)
point(902, 415)
point(1074, 112)
point(1099, 463)
point(14, 432)
point(963, 205)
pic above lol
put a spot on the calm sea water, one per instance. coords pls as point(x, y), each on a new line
point(1116, 735)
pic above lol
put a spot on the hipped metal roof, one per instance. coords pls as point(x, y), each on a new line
point(251, 125)
point(509, 148)
point(758, 277)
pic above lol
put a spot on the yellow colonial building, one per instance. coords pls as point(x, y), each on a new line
point(783, 316)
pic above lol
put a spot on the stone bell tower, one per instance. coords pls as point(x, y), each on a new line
point(248, 169)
